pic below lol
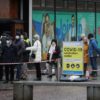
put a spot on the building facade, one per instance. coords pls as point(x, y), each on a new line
point(64, 20)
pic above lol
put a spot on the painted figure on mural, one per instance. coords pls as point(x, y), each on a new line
point(47, 33)
point(85, 26)
point(71, 35)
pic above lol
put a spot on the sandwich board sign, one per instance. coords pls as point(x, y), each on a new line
point(72, 58)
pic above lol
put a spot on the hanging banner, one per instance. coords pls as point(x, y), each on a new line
point(73, 58)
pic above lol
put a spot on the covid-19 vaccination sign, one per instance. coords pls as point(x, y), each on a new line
point(73, 58)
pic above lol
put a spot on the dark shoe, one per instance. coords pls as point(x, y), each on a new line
point(11, 82)
point(49, 76)
point(94, 74)
point(38, 79)
point(5, 82)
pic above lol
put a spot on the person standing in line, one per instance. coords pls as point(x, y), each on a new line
point(86, 57)
point(25, 56)
point(19, 44)
point(9, 56)
point(36, 49)
point(27, 44)
point(1, 66)
point(53, 56)
point(93, 53)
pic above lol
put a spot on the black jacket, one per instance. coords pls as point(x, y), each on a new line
point(9, 54)
point(56, 54)
point(19, 44)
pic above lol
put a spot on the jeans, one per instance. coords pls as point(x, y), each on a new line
point(93, 61)
point(18, 73)
point(9, 72)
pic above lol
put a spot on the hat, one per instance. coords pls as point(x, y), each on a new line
point(36, 36)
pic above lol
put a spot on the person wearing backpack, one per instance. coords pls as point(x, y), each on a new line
point(94, 51)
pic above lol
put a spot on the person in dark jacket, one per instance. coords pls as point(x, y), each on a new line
point(27, 44)
point(93, 52)
point(1, 66)
point(53, 56)
point(19, 44)
point(9, 56)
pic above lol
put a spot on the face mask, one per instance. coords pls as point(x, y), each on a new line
point(8, 43)
point(17, 37)
point(0, 42)
point(22, 37)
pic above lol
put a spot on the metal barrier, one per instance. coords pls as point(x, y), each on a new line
point(31, 62)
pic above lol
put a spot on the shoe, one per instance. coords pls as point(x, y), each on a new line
point(49, 76)
point(5, 82)
point(93, 74)
point(11, 82)
point(38, 79)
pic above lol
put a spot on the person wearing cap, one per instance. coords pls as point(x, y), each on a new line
point(36, 49)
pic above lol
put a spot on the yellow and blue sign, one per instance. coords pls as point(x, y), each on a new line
point(73, 58)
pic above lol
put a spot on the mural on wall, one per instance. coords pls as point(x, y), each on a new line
point(43, 24)
point(98, 29)
point(65, 27)
point(86, 23)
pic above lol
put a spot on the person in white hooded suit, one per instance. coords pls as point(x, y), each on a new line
point(36, 48)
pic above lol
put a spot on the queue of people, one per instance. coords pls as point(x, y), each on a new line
point(91, 52)
point(19, 50)
point(12, 51)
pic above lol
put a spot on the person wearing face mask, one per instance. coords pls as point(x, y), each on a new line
point(9, 56)
point(19, 44)
point(27, 44)
point(53, 56)
point(36, 48)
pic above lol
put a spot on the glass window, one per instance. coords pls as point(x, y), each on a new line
point(98, 27)
point(86, 23)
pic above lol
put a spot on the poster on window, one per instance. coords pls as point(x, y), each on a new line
point(73, 58)
point(85, 23)
point(43, 24)
point(98, 29)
